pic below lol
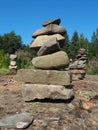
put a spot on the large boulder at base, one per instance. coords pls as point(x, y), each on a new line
point(53, 21)
point(52, 45)
point(40, 91)
point(40, 40)
point(56, 60)
point(43, 77)
point(22, 120)
point(49, 30)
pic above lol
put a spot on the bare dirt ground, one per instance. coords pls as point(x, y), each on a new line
point(80, 113)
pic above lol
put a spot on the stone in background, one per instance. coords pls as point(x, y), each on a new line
point(13, 64)
point(78, 67)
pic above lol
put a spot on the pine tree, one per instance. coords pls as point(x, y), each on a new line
point(94, 43)
point(66, 44)
point(74, 46)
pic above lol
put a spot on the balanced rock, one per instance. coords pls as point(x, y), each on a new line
point(56, 60)
point(82, 51)
point(53, 21)
point(79, 64)
point(83, 58)
point(12, 63)
point(13, 67)
point(78, 67)
point(13, 57)
point(40, 40)
point(49, 30)
point(52, 45)
point(43, 77)
point(39, 91)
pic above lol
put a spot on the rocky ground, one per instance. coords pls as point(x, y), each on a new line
point(79, 113)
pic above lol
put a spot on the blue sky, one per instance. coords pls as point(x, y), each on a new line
point(26, 16)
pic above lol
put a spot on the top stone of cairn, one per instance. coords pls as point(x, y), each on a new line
point(13, 57)
point(53, 21)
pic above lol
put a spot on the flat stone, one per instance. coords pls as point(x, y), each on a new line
point(50, 77)
point(78, 56)
point(13, 67)
point(22, 120)
point(77, 74)
point(49, 30)
point(82, 52)
point(83, 58)
point(13, 57)
point(40, 40)
point(40, 91)
point(77, 77)
point(52, 45)
point(12, 63)
point(53, 21)
point(79, 64)
point(77, 71)
point(56, 60)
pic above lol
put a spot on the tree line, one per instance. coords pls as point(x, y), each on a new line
point(77, 42)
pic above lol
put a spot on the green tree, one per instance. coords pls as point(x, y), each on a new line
point(31, 51)
point(95, 49)
point(83, 42)
point(1, 42)
point(94, 44)
point(74, 46)
point(93, 38)
point(66, 44)
point(4, 59)
point(11, 42)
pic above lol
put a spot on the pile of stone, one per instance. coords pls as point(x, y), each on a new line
point(48, 80)
point(50, 30)
point(13, 64)
point(78, 67)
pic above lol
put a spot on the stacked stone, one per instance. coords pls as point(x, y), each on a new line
point(13, 65)
point(48, 80)
point(78, 67)
point(51, 30)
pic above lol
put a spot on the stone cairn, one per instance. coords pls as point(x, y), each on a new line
point(78, 67)
point(13, 65)
point(49, 79)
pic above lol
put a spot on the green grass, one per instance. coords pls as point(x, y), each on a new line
point(94, 71)
point(4, 71)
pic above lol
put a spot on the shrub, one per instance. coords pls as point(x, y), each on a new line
point(93, 71)
point(92, 67)
point(23, 63)
point(4, 71)
point(4, 60)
